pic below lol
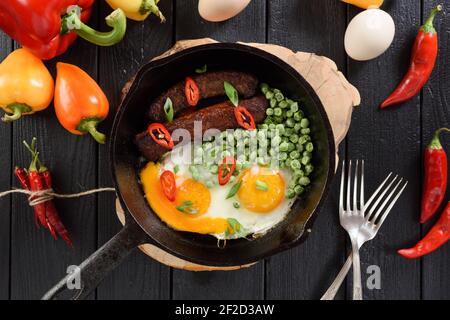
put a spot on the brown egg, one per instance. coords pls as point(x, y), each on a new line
point(219, 10)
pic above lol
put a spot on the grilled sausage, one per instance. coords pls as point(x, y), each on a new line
point(220, 116)
point(210, 85)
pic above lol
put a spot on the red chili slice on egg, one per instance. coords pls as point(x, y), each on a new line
point(168, 184)
point(226, 169)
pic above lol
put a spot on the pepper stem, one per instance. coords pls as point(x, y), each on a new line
point(151, 6)
point(116, 20)
point(435, 142)
point(428, 25)
point(17, 110)
point(90, 125)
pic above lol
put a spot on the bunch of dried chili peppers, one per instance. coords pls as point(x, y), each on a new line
point(434, 188)
point(38, 179)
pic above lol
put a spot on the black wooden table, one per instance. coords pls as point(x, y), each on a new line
point(31, 262)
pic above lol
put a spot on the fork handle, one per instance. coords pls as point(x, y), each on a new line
point(334, 288)
point(357, 286)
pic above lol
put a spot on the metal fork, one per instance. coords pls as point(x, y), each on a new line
point(369, 224)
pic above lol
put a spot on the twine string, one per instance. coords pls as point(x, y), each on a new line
point(42, 196)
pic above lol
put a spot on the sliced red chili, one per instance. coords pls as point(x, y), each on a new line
point(244, 118)
point(226, 169)
point(161, 135)
point(168, 184)
point(192, 92)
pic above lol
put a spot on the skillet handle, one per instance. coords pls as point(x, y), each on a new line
point(80, 283)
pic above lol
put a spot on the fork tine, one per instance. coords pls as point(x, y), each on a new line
point(378, 190)
point(372, 209)
point(361, 198)
point(385, 214)
point(355, 187)
point(341, 192)
point(375, 217)
point(349, 183)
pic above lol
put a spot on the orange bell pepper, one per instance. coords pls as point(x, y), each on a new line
point(80, 103)
point(26, 85)
point(365, 4)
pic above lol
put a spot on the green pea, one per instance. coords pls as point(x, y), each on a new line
point(284, 146)
point(303, 139)
point(253, 155)
point(298, 173)
point(209, 184)
point(309, 169)
point(306, 154)
point(290, 194)
point(304, 181)
point(264, 126)
point(304, 123)
point(289, 114)
point(279, 96)
point(278, 119)
point(299, 189)
point(264, 86)
point(298, 127)
point(292, 184)
point(306, 160)
point(232, 179)
point(309, 147)
point(273, 103)
point(291, 146)
point(276, 140)
point(306, 131)
point(283, 104)
point(294, 154)
point(214, 169)
point(261, 161)
point(272, 126)
point(280, 128)
point(269, 95)
point(268, 120)
point(288, 132)
point(295, 164)
point(263, 143)
point(196, 176)
point(273, 152)
point(300, 147)
point(290, 122)
point(294, 138)
point(283, 156)
point(277, 112)
point(289, 101)
point(236, 205)
point(275, 91)
point(297, 116)
point(294, 107)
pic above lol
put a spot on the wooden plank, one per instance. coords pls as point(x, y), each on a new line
point(306, 272)
point(435, 114)
point(72, 160)
point(138, 277)
point(389, 140)
point(5, 184)
point(248, 26)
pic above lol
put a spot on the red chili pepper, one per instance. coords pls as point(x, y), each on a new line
point(168, 184)
point(192, 92)
point(37, 184)
point(226, 169)
point(161, 135)
point(244, 118)
point(22, 176)
point(435, 177)
point(423, 59)
point(53, 219)
point(437, 237)
point(48, 28)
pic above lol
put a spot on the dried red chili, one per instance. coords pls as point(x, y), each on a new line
point(168, 184)
point(161, 135)
point(435, 177)
point(226, 169)
point(423, 59)
point(192, 92)
point(244, 118)
point(437, 237)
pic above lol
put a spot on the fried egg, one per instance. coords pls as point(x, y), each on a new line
point(251, 211)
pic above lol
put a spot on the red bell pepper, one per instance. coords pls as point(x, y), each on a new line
point(48, 28)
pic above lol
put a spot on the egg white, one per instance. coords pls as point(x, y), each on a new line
point(252, 223)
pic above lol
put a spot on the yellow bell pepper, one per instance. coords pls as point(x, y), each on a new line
point(26, 85)
point(365, 4)
point(138, 10)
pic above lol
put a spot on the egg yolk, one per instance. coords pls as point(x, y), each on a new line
point(166, 210)
point(257, 200)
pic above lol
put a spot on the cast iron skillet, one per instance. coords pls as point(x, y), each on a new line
point(143, 226)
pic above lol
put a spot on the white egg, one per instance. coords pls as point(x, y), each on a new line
point(220, 10)
point(369, 34)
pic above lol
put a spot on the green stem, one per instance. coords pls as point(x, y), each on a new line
point(151, 6)
point(90, 125)
point(116, 20)
point(17, 110)
point(428, 25)
point(435, 142)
